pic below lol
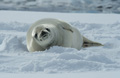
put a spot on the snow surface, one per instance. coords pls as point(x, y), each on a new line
point(94, 62)
point(80, 6)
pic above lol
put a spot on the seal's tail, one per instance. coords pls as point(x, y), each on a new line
point(89, 43)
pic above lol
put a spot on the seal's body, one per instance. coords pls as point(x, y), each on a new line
point(46, 33)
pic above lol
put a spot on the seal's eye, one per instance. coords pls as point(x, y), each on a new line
point(47, 29)
point(35, 35)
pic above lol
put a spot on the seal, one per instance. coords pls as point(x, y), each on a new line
point(49, 32)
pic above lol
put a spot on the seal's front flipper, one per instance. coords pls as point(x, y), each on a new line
point(89, 43)
point(68, 29)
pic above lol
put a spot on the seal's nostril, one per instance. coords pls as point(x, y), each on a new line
point(43, 33)
point(35, 35)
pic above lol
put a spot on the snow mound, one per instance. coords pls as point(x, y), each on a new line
point(14, 56)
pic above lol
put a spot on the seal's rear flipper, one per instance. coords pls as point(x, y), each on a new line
point(89, 43)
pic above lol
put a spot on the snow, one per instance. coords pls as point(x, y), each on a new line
point(80, 6)
point(57, 62)
point(30, 17)
point(65, 75)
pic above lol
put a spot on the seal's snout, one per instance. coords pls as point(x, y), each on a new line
point(45, 32)
point(44, 35)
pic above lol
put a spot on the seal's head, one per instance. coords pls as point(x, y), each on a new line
point(43, 35)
